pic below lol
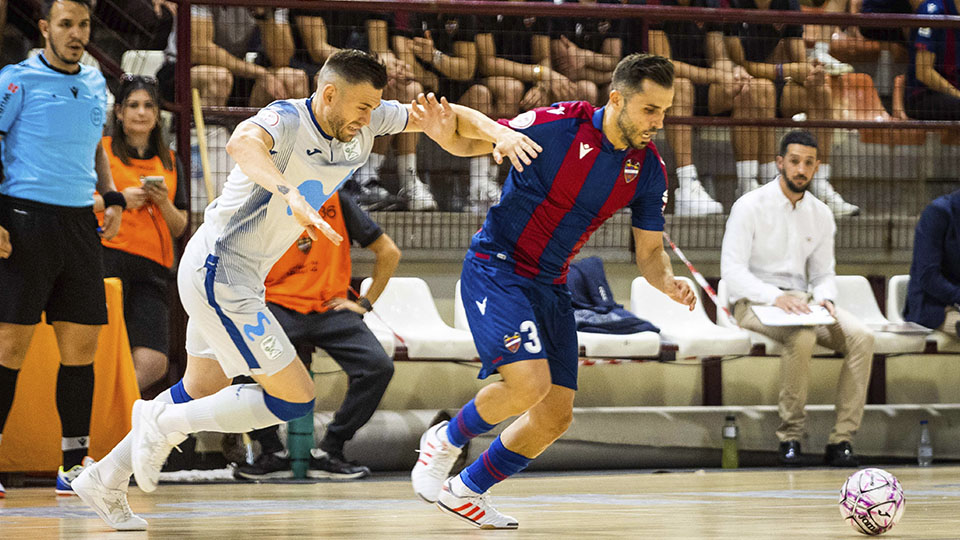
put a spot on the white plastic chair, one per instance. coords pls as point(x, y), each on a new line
point(855, 295)
point(897, 299)
point(695, 335)
point(141, 62)
point(406, 305)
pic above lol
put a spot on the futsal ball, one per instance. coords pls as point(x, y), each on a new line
point(871, 500)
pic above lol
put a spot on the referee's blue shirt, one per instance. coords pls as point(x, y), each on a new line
point(51, 122)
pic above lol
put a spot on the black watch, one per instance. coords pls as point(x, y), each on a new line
point(365, 303)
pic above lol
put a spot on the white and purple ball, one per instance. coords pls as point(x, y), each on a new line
point(871, 500)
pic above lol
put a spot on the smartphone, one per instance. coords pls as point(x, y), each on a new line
point(151, 180)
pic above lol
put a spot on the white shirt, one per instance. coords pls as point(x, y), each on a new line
point(248, 227)
point(770, 246)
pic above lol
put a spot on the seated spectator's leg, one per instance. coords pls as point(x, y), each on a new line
point(484, 191)
point(690, 197)
point(821, 36)
point(752, 145)
point(416, 192)
point(851, 337)
point(214, 84)
point(507, 93)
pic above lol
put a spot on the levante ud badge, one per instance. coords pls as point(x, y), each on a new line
point(512, 342)
point(630, 170)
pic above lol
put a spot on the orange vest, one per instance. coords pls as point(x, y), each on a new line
point(143, 231)
point(312, 272)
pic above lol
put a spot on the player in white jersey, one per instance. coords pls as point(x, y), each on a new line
point(290, 158)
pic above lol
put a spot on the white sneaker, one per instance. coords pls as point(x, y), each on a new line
point(483, 194)
point(825, 192)
point(433, 466)
point(150, 447)
point(473, 508)
point(831, 66)
point(65, 478)
point(110, 504)
point(692, 200)
point(418, 197)
point(3, 491)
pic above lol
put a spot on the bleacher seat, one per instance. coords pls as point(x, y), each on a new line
point(407, 307)
point(897, 298)
point(141, 62)
point(695, 335)
point(856, 296)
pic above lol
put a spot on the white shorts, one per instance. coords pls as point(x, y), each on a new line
point(230, 323)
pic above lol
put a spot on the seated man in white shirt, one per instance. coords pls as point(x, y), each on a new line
point(778, 250)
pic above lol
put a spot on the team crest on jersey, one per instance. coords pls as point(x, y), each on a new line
point(351, 150)
point(512, 342)
point(271, 347)
point(268, 117)
point(524, 120)
point(630, 170)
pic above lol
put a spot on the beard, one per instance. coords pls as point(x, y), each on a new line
point(793, 183)
point(339, 127)
point(65, 55)
point(630, 131)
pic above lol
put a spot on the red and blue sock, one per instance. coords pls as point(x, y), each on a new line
point(466, 425)
point(495, 465)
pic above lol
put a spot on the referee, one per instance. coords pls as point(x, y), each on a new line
point(51, 121)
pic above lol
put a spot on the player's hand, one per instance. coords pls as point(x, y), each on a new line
point(310, 219)
point(111, 221)
point(340, 304)
point(437, 118)
point(135, 196)
point(156, 193)
point(831, 309)
point(791, 304)
point(6, 248)
point(517, 147)
point(679, 291)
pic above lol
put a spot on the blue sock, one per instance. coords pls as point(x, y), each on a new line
point(179, 394)
point(466, 425)
point(494, 465)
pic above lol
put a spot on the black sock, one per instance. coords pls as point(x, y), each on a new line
point(8, 385)
point(268, 438)
point(74, 402)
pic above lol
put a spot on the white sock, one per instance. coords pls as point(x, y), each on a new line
point(747, 174)
point(459, 488)
point(822, 46)
point(407, 169)
point(368, 171)
point(768, 172)
point(115, 468)
point(235, 409)
point(685, 176)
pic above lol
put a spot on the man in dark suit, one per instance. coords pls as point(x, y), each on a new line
point(933, 296)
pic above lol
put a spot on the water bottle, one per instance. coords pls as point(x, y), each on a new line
point(924, 449)
point(730, 458)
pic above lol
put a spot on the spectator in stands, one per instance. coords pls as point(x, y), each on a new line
point(443, 54)
point(933, 296)
point(307, 292)
point(821, 36)
point(709, 83)
point(587, 50)
point(895, 35)
point(933, 79)
point(778, 250)
point(50, 256)
point(777, 53)
point(516, 66)
point(220, 40)
point(321, 33)
point(141, 255)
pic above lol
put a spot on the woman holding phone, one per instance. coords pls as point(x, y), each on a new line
point(149, 175)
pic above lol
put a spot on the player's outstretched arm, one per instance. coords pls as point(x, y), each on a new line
point(654, 264)
point(250, 147)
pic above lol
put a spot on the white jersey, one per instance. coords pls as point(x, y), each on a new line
point(248, 228)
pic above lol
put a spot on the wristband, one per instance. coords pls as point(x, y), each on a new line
point(537, 72)
point(437, 55)
point(365, 303)
point(114, 198)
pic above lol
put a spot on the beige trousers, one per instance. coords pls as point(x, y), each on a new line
point(848, 336)
point(950, 322)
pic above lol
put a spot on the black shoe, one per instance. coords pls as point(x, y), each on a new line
point(267, 466)
point(790, 453)
point(335, 467)
point(841, 455)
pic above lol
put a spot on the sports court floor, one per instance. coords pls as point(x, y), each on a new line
point(768, 503)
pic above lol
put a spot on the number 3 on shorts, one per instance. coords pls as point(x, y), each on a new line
point(533, 343)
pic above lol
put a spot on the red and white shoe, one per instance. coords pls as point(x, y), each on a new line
point(3, 492)
point(437, 457)
point(459, 500)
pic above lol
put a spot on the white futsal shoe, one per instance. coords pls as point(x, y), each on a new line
point(111, 504)
point(459, 500)
point(437, 457)
point(150, 446)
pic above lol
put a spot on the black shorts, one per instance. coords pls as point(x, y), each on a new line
point(56, 264)
point(239, 93)
point(146, 294)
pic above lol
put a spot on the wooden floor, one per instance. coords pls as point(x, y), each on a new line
point(769, 504)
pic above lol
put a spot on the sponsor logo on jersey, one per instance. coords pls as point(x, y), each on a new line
point(254, 331)
point(512, 342)
point(630, 170)
point(313, 151)
point(12, 88)
point(482, 306)
point(584, 149)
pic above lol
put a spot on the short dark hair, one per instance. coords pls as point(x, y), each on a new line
point(356, 67)
point(47, 5)
point(630, 73)
point(797, 136)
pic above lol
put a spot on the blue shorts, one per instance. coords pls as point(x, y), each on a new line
point(514, 318)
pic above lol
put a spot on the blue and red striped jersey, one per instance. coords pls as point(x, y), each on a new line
point(547, 212)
